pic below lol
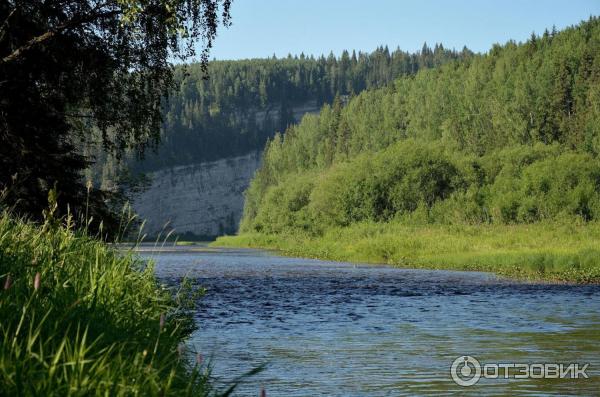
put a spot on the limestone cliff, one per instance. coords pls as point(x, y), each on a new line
point(199, 200)
point(204, 199)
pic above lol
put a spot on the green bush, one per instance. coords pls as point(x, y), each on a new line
point(382, 186)
point(423, 182)
point(560, 185)
point(347, 193)
point(284, 206)
point(416, 173)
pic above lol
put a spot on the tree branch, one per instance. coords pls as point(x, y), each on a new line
point(8, 17)
point(76, 21)
point(5, 23)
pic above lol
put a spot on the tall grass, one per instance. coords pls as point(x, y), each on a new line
point(80, 318)
point(552, 251)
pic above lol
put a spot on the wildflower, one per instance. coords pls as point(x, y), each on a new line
point(199, 359)
point(7, 282)
point(161, 322)
point(36, 281)
point(180, 349)
point(263, 393)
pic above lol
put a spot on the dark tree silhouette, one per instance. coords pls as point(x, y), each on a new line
point(75, 71)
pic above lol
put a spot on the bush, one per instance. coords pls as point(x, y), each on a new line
point(418, 173)
point(416, 182)
point(391, 183)
point(284, 206)
point(347, 193)
point(560, 185)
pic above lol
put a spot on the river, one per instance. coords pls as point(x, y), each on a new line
point(339, 329)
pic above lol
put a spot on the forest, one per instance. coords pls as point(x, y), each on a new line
point(233, 107)
point(510, 137)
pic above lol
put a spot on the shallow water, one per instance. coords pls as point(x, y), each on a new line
point(339, 329)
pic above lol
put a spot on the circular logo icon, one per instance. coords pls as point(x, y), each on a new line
point(465, 371)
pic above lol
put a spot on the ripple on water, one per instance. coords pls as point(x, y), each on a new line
point(328, 328)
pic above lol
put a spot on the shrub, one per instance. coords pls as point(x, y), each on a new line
point(560, 185)
point(284, 206)
point(385, 185)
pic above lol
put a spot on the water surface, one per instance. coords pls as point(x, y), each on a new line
point(339, 329)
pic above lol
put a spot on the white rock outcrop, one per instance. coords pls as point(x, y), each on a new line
point(202, 200)
point(205, 199)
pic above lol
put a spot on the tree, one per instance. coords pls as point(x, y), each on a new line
point(74, 72)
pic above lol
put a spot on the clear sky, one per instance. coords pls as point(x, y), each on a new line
point(262, 28)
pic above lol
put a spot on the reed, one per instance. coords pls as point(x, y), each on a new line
point(81, 318)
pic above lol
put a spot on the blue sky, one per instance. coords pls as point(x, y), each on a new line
point(262, 28)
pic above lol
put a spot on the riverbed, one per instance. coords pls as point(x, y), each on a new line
point(339, 329)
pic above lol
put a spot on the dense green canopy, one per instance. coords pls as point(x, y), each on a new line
point(509, 136)
point(243, 103)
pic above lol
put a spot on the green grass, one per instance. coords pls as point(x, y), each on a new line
point(186, 243)
point(556, 252)
point(92, 324)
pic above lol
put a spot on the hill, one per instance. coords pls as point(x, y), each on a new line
point(510, 137)
point(232, 114)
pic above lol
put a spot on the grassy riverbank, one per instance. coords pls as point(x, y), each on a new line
point(80, 318)
point(558, 252)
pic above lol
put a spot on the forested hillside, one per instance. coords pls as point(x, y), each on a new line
point(243, 103)
point(510, 136)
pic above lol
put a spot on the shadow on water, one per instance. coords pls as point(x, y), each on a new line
point(338, 329)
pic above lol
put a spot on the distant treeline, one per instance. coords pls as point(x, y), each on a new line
point(243, 103)
point(509, 136)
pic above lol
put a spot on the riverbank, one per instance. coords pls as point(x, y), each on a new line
point(554, 252)
point(81, 317)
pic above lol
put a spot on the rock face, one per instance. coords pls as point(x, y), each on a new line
point(197, 201)
point(204, 200)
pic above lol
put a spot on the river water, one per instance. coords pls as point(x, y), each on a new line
point(338, 329)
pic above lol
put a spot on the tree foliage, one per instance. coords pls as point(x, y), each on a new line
point(73, 72)
point(508, 136)
point(245, 102)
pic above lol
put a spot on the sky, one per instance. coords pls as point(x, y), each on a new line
point(262, 28)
